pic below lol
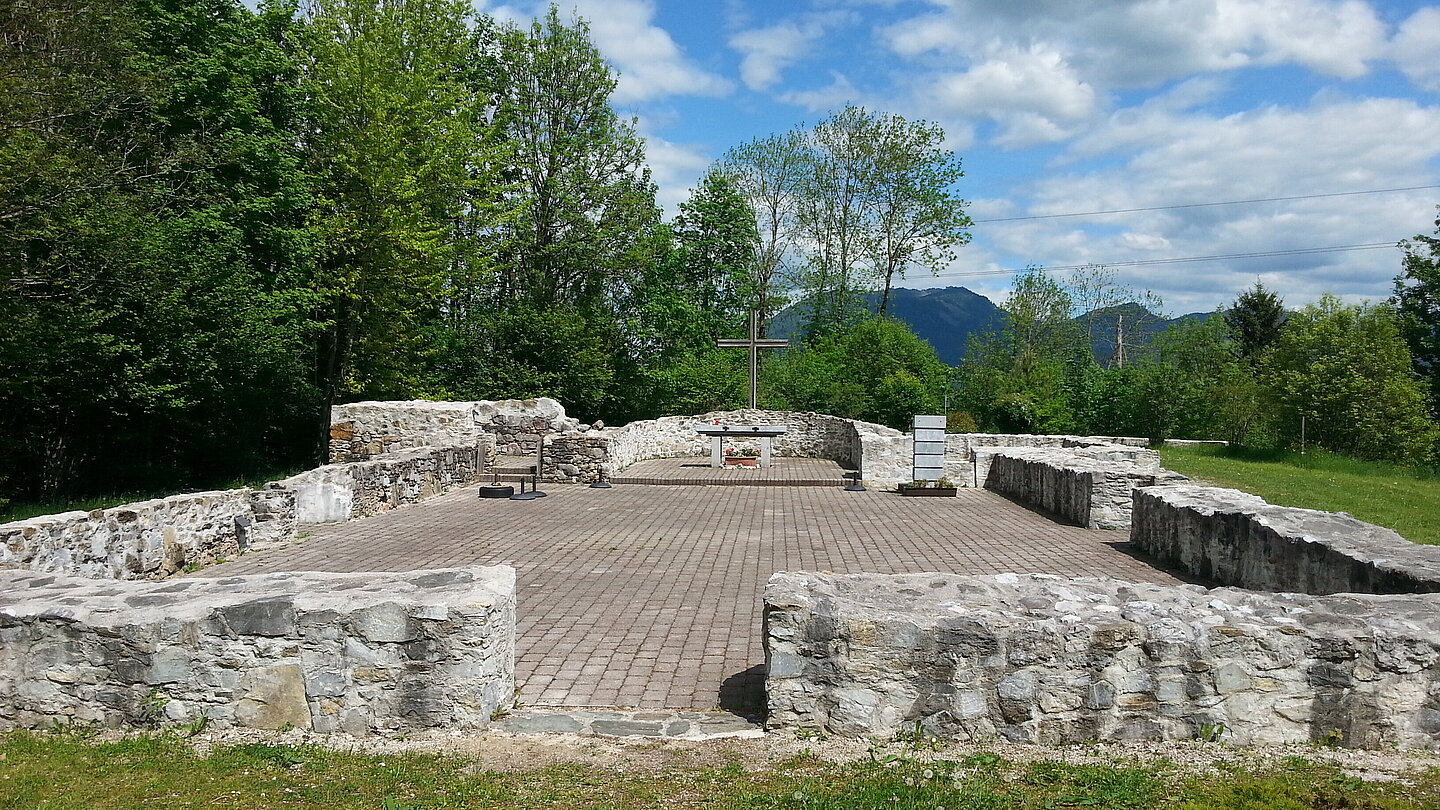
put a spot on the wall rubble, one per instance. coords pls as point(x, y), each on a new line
point(1041, 659)
point(323, 652)
point(1235, 538)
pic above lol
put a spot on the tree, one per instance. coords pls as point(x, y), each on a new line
point(1112, 313)
point(156, 257)
point(876, 370)
point(850, 205)
point(1417, 305)
point(393, 145)
point(767, 173)
point(1029, 376)
point(580, 193)
point(1347, 371)
point(917, 218)
point(1255, 320)
point(701, 291)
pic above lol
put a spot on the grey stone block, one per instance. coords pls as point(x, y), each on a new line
point(1048, 660)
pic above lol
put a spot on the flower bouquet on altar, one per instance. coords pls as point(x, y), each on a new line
point(742, 457)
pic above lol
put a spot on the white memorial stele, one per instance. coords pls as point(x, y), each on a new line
point(929, 456)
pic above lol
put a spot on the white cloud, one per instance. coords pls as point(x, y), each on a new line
point(766, 52)
point(651, 65)
point(1132, 43)
point(834, 95)
point(1034, 94)
point(649, 62)
point(1173, 158)
point(1416, 48)
point(675, 168)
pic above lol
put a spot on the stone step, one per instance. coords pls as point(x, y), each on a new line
point(674, 724)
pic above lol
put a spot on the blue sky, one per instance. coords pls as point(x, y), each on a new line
point(1073, 106)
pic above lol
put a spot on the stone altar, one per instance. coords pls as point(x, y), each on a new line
point(717, 434)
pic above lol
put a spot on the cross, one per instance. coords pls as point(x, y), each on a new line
point(754, 344)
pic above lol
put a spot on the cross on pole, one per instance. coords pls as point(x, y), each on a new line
point(754, 344)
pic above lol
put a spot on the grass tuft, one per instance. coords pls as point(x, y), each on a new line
point(160, 770)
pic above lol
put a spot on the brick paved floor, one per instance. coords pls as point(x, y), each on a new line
point(649, 596)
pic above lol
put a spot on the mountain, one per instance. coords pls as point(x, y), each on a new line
point(1131, 324)
point(944, 317)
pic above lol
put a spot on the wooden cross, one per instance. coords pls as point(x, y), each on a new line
point(754, 344)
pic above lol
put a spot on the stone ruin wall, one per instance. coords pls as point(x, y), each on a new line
point(1235, 538)
point(1089, 486)
point(321, 652)
point(508, 427)
point(970, 453)
point(576, 458)
point(810, 435)
point(1039, 659)
point(363, 430)
point(1348, 651)
point(339, 492)
point(154, 539)
point(145, 540)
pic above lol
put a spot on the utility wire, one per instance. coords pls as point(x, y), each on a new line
point(1148, 262)
point(1205, 205)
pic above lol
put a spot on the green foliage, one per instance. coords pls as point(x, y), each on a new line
point(395, 138)
point(1029, 376)
point(849, 205)
point(877, 370)
point(1255, 321)
point(1417, 306)
point(152, 225)
point(1347, 371)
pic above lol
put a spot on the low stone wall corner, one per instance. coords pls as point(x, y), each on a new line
point(1088, 485)
point(1041, 659)
point(354, 653)
point(1235, 538)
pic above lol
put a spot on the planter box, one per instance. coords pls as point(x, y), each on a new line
point(742, 461)
point(928, 492)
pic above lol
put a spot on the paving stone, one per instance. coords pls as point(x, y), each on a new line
point(649, 596)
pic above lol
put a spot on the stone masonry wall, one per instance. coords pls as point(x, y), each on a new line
point(967, 455)
point(1089, 487)
point(362, 430)
point(1041, 659)
point(337, 492)
point(1235, 538)
point(154, 539)
point(322, 652)
point(519, 425)
point(575, 458)
point(145, 540)
point(810, 435)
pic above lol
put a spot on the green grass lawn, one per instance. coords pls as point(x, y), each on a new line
point(1404, 499)
point(67, 771)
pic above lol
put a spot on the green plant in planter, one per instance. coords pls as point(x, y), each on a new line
point(742, 452)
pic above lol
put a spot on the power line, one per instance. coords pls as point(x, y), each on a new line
point(1206, 205)
point(1148, 262)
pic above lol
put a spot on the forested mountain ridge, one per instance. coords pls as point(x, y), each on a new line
point(946, 317)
